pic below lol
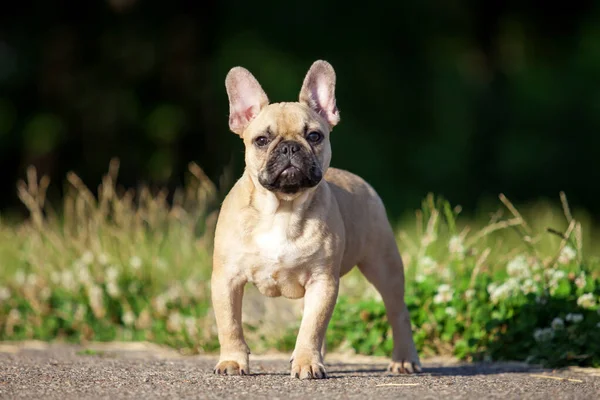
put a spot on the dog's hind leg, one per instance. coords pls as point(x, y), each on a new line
point(386, 272)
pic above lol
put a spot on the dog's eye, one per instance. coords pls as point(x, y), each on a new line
point(261, 141)
point(314, 137)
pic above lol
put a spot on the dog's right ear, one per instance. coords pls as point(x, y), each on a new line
point(246, 98)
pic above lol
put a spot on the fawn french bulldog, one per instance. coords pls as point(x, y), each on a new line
point(292, 226)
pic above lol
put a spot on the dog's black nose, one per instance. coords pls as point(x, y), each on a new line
point(289, 147)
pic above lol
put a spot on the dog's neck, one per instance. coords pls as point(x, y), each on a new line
point(269, 203)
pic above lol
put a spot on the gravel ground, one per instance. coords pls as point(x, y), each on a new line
point(127, 371)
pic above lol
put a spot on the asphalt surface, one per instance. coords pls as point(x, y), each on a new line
point(113, 371)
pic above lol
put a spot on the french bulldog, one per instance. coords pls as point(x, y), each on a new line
point(292, 226)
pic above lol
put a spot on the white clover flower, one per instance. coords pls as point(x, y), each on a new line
point(580, 280)
point(4, 293)
point(528, 286)
point(128, 318)
point(502, 291)
point(518, 267)
point(558, 275)
point(543, 334)
point(438, 299)
point(174, 322)
point(103, 259)
point(420, 278)
point(84, 275)
point(586, 300)
point(567, 254)
point(427, 264)
point(469, 294)
point(557, 323)
point(451, 312)
point(68, 280)
point(113, 289)
point(112, 273)
point(574, 318)
point(87, 258)
point(190, 326)
point(135, 262)
point(455, 245)
point(444, 294)
point(555, 276)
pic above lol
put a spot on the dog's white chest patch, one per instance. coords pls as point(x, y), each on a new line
point(278, 260)
point(276, 250)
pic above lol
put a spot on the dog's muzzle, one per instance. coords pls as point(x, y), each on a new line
point(290, 168)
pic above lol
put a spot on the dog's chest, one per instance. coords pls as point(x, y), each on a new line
point(277, 250)
point(279, 259)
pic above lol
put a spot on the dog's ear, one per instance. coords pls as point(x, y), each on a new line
point(318, 91)
point(246, 98)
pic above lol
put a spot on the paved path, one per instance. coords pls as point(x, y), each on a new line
point(142, 371)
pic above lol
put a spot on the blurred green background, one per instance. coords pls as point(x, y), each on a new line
point(465, 99)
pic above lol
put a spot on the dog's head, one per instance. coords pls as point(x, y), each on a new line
point(287, 144)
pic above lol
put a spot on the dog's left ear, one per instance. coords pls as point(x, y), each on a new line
point(318, 91)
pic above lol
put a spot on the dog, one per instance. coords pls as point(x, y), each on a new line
point(292, 226)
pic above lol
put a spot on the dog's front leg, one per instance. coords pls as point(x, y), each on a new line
point(227, 293)
point(319, 302)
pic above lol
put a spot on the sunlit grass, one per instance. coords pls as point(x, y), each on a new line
point(126, 266)
point(129, 265)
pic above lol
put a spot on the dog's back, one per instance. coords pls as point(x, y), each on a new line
point(367, 227)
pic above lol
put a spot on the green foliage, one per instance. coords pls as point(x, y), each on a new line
point(526, 307)
point(132, 267)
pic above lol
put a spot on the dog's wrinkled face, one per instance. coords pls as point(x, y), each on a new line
point(287, 144)
point(287, 148)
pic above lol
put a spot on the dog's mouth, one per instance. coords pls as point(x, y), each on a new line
point(290, 176)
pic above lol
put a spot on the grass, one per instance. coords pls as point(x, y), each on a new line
point(90, 352)
point(125, 265)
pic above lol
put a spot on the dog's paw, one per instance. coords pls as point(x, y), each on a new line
point(230, 368)
point(404, 367)
point(308, 367)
